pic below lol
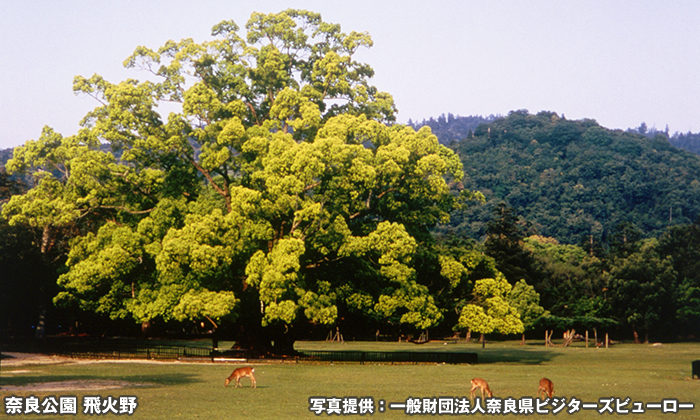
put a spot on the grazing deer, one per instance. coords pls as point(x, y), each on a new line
point(546, 388)
point(481, 384)
point(242, 373)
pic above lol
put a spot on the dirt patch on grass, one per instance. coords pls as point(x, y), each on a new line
point(79, 385)
point(28, 359)
point(25, 359)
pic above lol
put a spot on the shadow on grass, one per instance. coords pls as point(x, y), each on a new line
point(523, 356)
point(158, 380)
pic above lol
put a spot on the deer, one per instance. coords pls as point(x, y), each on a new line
point(546, 388)
point(481, 384)
point(242, 373)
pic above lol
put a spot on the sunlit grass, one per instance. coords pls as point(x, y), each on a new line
point(181, 390)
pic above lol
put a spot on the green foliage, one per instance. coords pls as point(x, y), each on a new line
point(579, 323)
point(277, 174)
point(573, 179)
point(682, 245)
point(572, 282)
point(645, 282)
point(504, 244)
point(204, 303)
point(279, 182)
point(451, 269)
point(490, 310)
point(527, 301)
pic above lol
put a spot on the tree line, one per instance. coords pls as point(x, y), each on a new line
point(647, 288)
point(282, 200)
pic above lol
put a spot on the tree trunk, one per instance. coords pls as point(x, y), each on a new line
point(595, 336)
point(45, 240)
point(145, 328)
point(483, 341)
point(252, 338)
point(268, 341)
point(283, 346)
point(284, 337)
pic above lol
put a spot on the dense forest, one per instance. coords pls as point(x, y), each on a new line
point(576, 180)
point(284, 201)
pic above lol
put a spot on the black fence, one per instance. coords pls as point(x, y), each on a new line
point(389, 357)
point(133, 352)
point(128, 349)
point(123, 349)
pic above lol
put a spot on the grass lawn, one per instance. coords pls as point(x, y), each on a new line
point(189, 391)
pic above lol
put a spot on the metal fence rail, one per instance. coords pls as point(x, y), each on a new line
point(121, 351)
point(389, 357)
point(118, 349)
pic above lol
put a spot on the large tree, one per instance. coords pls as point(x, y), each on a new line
point(276, 191)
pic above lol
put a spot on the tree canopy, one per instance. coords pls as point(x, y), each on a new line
point(279, 179)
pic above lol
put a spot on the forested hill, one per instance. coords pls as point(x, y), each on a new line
point(573, 179)
point(452, 128)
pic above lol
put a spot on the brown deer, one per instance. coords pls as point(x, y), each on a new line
point(546, 388)
point(481, 384)
point(242, 373)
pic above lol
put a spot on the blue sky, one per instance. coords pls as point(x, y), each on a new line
point(618, 62)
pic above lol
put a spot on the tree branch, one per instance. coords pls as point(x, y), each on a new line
point(207, 175)
point(311, 186)
point(213, 323)
point(255, 114)
point(119, 208)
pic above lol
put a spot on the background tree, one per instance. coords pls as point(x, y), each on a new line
point(489, 311)
point(572, 282)
point(526, 301)
point(504, 243)
point(642, 288)
point(28, 280)
point(682, 245)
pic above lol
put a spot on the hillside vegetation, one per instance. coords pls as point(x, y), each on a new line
point(576, 180)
